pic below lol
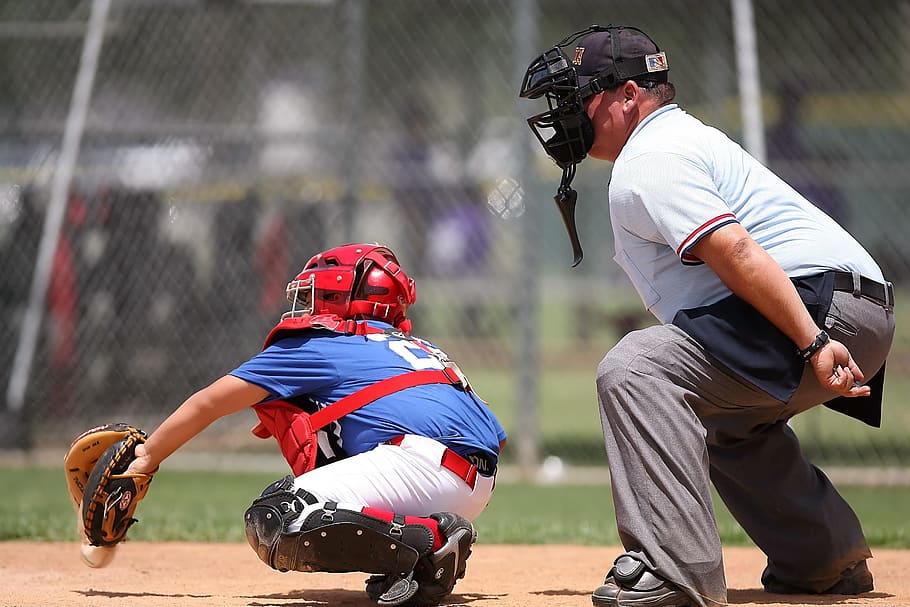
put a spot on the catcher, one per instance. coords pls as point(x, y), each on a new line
point(392, 453)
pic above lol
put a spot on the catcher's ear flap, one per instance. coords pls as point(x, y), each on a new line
point(111, 497)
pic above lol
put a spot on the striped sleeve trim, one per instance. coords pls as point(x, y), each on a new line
point(702, 231)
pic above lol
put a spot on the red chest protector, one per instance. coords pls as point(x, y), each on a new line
point(294, 429)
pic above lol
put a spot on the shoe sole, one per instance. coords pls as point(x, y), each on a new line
point(671, 599)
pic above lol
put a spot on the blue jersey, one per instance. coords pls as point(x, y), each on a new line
point(321, 367)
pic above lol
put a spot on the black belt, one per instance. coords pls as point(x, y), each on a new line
point(861, 286)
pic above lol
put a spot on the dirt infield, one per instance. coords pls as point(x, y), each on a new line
point(229, 575)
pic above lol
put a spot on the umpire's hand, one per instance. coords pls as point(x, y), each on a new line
point(837, 371)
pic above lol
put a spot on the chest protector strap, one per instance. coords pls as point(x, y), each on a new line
point(295, 430)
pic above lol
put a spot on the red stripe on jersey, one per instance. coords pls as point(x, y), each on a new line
point(702, 230)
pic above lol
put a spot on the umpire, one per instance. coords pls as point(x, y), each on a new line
point(767, 308)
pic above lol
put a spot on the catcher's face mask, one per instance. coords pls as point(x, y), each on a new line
point(565, 131)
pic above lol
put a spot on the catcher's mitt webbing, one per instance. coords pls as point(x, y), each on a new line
point(104, 497)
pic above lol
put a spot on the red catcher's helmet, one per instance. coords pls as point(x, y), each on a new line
point(353, 281)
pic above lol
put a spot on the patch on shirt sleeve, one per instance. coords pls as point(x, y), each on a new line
point(703, 230)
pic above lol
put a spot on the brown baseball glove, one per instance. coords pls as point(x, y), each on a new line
point(105, 498)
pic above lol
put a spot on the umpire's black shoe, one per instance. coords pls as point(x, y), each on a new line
point(855, 580)
point(630, 583)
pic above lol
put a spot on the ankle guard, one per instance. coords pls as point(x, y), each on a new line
point(330, 540)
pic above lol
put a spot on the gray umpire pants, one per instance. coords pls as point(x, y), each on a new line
point(674, 421)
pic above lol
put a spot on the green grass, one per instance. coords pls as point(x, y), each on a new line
point(526, 514)
point(208, 507)
point(566, 405)
point(569, 421)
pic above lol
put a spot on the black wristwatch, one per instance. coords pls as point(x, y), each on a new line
point(820, 340)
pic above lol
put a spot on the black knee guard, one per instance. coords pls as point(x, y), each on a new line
point(271, 513)
point(330, 540)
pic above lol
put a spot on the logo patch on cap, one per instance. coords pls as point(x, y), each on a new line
point(579, 53)
point(656, 62)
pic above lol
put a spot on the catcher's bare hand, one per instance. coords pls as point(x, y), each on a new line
point(143, 463)
point(837, 371)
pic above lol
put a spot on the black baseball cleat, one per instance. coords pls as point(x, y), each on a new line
point(630, 584)
point(855, 580)
point(379, 584)
point(391, 590)
point(435, 574)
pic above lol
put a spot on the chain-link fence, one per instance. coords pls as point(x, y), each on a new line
point(177, 161)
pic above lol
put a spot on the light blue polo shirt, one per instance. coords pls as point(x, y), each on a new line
point(676, 180)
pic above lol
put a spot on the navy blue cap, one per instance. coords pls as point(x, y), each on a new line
point(626, 52)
